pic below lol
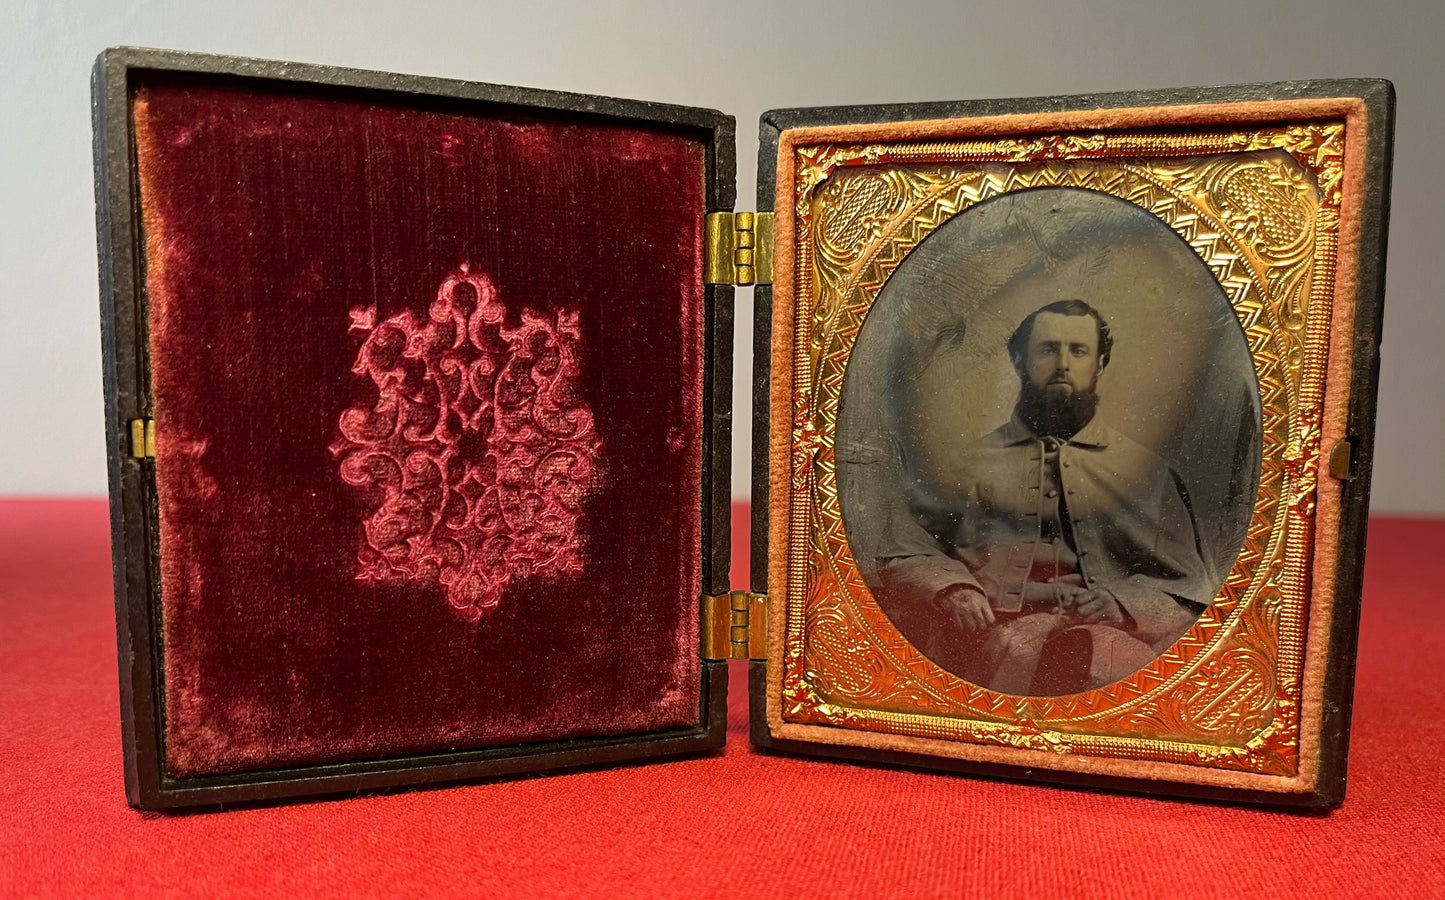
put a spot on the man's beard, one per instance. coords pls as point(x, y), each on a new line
point(1056, 413)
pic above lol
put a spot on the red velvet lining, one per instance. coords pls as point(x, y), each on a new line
point(428, 399)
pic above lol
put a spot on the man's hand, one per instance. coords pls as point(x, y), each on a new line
point(1098, 606)
point(968, 607)
point(1068, 589)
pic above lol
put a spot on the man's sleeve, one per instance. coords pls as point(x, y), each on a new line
point(1171, 587)
point(913, 562)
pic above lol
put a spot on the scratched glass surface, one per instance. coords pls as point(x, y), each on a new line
point(1049, 442)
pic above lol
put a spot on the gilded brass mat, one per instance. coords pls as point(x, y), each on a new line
point(1261, 207)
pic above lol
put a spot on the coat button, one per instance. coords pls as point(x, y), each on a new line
point(1052, 493)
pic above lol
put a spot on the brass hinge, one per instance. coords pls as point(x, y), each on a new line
point(735, 626)
point(143, 438)
point(738, 248)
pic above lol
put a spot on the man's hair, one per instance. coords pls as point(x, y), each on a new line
point(1018, 342)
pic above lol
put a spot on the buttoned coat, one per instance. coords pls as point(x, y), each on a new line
point(1132, 529)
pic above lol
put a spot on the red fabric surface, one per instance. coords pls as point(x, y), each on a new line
point(739, 824)
point(399, 374)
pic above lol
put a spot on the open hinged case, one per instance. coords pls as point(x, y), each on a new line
point(418, 414)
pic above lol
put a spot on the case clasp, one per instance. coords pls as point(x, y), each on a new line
point(735, 626)
point(738, 248)
point(1341, 461)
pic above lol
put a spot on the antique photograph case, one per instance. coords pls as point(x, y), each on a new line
point(418, 411)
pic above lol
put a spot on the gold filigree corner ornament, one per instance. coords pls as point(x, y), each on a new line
point(1260, 207)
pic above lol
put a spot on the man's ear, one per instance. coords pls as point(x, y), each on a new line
point(1018, 362)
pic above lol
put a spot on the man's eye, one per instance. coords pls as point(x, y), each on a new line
point(1079, 351)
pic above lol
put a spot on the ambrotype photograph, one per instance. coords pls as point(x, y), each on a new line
point(1049, 442)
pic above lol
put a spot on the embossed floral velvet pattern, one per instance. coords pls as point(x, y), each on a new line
point(479, 449)
point(284, 233)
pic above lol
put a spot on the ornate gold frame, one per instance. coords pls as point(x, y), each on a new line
point(1262, 207)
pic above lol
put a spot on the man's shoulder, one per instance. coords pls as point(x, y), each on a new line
point(1122, 443)
point(1008, 434)
point(1125, 454)
point(1098, 433)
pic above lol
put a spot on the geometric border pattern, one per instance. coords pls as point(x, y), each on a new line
point(1261, 207)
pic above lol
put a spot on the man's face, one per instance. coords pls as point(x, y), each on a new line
point(1063, 355)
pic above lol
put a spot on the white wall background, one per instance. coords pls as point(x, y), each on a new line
point(758, 56)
